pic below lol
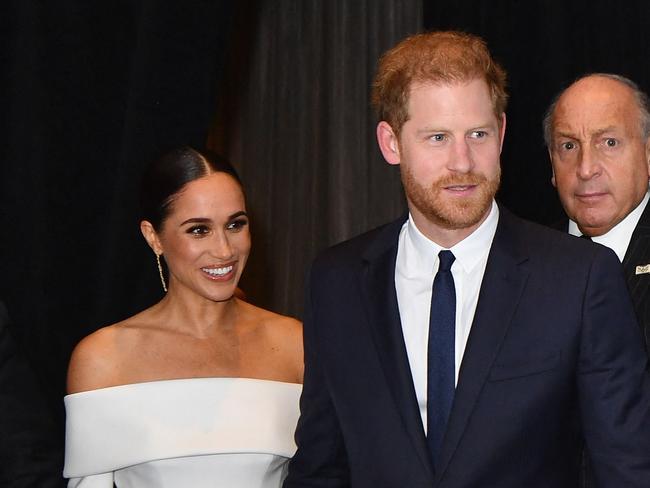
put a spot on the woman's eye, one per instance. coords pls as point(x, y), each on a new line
point(237, 225)
point(198, 230)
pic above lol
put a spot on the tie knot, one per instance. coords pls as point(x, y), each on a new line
point(447, 258)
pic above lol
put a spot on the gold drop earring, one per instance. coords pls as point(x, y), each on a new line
point(160, 272)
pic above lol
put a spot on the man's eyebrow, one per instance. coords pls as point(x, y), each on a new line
point(561, 133)
point(434, 130)
point(572, 135)
point(430, 130)
point(610, 128)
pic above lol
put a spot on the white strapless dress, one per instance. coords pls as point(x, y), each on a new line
point(188, 433)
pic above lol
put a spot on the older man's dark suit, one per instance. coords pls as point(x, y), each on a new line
point(544, 364)
point(638, 254)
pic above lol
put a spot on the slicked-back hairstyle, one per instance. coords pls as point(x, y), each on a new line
point(642, 102)
point(166, 177)
point(444, 57)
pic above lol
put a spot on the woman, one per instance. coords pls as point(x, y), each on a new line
point(201, 389)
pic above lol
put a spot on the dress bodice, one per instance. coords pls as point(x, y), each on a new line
point(200, 432)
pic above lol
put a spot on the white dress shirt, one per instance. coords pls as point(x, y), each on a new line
point(618, 238)
point(415, 268)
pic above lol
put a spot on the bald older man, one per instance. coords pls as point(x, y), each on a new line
point(598, 137)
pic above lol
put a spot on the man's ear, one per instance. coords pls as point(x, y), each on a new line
point(647, 153)
point(388, 143)
point(151, 237)
point(550, 157)
point(502, 131)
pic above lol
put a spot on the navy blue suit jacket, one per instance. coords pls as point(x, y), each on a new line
point(637, 254)
point(554, 357)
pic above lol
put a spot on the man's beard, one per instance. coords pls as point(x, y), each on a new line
point(447, 211)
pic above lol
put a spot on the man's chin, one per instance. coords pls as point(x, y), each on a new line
point(457, 217)
point(594, 219)
point(451, 212)
point(458, 222)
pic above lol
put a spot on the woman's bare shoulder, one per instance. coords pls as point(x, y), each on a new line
point(274, 322)
point(95, 361)
point(285, 337)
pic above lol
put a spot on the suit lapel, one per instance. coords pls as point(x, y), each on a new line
point(503, 283)
point(638, 251)
point(638, 254)
point(380, 301)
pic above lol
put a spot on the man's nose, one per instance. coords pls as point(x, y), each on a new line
point(588, 163)
point(461, 160)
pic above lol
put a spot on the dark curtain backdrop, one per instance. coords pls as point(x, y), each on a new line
point(298, 125)
point(93, 90)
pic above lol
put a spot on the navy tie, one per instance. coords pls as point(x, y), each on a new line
point(441, 353)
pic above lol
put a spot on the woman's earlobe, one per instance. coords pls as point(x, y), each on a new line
point(150, 235)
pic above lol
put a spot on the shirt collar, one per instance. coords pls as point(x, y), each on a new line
point(618, 238)
point(469, 252)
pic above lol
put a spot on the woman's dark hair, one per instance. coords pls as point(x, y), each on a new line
point(167, 176)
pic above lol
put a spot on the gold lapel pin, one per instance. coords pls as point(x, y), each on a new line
point(643, 269)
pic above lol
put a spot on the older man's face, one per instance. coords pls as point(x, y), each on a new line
point(599, 156)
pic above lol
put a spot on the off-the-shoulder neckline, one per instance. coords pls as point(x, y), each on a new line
point(178, 380)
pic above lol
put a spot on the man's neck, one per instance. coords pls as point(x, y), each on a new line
point(439, 233)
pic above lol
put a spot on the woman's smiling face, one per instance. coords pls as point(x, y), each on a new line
point(205, 239)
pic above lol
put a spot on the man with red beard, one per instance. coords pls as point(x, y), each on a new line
point(461, 346)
